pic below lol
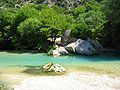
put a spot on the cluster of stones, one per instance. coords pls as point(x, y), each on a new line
point(76, 46)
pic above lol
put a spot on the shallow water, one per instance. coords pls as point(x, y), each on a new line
point(101, 64)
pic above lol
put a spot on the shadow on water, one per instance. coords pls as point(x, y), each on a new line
point(100, 58)
point(21, 51)
point(104, 59)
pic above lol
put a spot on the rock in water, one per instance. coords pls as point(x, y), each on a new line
point(71, 47)
point(47, 66)
point(62, 50)
point(50, 67)
point(58, 51)
point(55, 53)
point(84, 47)
point(58, 68)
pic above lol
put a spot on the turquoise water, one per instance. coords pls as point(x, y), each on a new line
point(31, 59)
point(40, 59)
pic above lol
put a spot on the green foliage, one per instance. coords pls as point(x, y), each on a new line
point(36, 23)
point(89, 20)
point(54, 22)
point(6, 20)
point(79, 10)
point(23, 13)
point(29, 26)
point(31, 34)
point(112, 32)
point(7, 3)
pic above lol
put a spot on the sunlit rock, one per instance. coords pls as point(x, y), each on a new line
point(67, 38)
point(58, 51)
point(50, 67)
point(71, 47)
point(84, 47)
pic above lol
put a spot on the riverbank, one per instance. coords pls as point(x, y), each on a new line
point(71, 81)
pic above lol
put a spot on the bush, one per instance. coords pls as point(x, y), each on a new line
point(31, 33)
point(89, 21)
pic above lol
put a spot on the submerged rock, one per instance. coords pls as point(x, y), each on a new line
point(50, 67)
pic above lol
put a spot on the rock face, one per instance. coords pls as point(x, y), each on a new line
point(67, 38)
point(50, 67)
point(84, 47)
point(95, 44)
point(58, 51)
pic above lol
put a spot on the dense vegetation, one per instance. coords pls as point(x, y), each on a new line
point(27, 24)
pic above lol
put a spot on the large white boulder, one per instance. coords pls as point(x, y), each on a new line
point(58, 51)
point(81, 47)
point(62, 50)
point(84, 47)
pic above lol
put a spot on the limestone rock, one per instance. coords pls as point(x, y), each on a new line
point(55, 53)
point(71, 47)
point(84, 47)
point(67, 38)
point(95, 44)
point(50, 67)
point(62, 50)
point(58, 51)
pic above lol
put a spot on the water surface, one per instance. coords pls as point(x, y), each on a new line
point(104, 64)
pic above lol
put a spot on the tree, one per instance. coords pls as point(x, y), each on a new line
point(44, 23)
point(6, 19)
point(89, 20)
point(112, 27)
